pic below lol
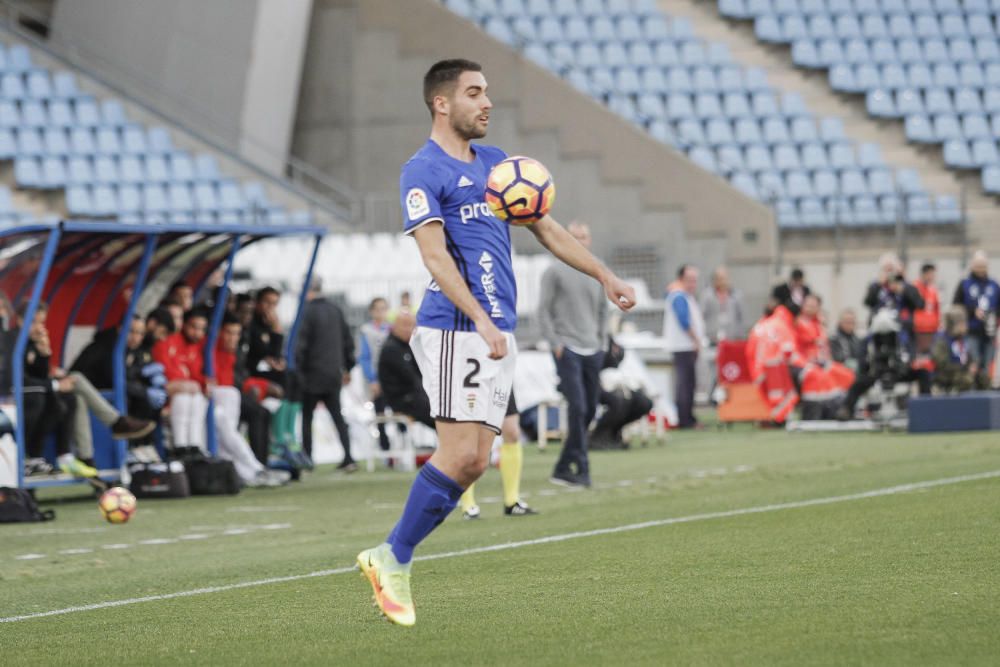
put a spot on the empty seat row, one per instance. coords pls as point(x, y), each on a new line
point(944, 127)
point(272, 217)
point(562, 55)
point(749, 132)
point(37, 84)
point(560, 8)
point(80, 112)
point(745, 9)
point(57, 172)
point(599, 81)
point(771, 28)
point(886, 104)
point(821, 54)
point(706, 106)
point(867, 210)
point(579, 30)
point(57, 142)
point(108, 200)
point(961, 154)
point(840, 157)
point(823, 183)
point(860, 78)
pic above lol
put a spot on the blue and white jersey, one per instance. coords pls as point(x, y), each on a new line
point(434, 186)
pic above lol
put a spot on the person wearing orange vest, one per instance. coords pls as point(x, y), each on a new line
point(927, 320)
point(821, 380)
point(770, 345)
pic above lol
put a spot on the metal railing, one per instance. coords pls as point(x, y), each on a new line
point(328, 199)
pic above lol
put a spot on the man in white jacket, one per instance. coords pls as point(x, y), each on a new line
point(684, 333)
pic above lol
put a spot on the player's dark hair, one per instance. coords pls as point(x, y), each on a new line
point(445, 73)
point(797, 274)
point(377, 300)
point(682, 270)
point(229, 318)
point(22, 310)
point(197, 311)
point(162, 316)
point(179, 285)
point(929, 266)
point(265, 291)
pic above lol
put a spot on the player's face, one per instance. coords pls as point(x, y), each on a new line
point(136, 333)
point(194, 329)
point(231, 337)
point(469, 107)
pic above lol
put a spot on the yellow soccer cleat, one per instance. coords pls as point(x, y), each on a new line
point(391, 583)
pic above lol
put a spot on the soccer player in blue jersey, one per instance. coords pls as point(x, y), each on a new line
point(464, 342)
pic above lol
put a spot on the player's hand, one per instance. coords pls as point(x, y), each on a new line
point(67, 384)
point(620, 293)
point(494, 338)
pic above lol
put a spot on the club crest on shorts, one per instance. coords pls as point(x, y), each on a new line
point(470, 400)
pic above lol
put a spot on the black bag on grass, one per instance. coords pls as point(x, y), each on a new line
point(17, 505)
point(159, 480)
point(213, 477)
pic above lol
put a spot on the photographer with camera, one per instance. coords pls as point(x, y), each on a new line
point(980, 296)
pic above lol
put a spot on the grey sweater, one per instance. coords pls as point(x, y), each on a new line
point(572, 309)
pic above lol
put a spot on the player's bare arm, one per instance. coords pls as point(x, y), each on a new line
point(561, 243)
point(430, 239)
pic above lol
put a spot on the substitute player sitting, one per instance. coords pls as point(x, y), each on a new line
point(463, 343)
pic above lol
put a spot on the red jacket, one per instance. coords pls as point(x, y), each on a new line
point(928, 318)
point(225, 366)
point(181, 360)
point(810, 338)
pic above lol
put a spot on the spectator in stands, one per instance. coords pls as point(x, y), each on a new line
point(722, 308)
point(793, 293)
point(927, 320)
point(371, 337)
point(980, 296)
point(324, 356)
point(184, 366)
point(684, 333)
point(243, 308)
point(227, 399)
point(183, 294)
point(399, 375)
point(572, 314)
point(957, 368)
point(47, 409)
point(845, 346)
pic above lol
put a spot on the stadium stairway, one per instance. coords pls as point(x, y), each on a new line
point(859, 126)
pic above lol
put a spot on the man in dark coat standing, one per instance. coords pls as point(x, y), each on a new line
point(324, 356)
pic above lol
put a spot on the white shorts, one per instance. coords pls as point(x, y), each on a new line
point(461, 381)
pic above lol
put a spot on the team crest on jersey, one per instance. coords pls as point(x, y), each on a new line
point(417, 205)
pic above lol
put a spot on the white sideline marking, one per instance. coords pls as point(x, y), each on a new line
point(760, 509)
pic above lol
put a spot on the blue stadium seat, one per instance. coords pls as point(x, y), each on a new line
point(28, 142)
point(652, 80)
point(33, 114)
point(842, 156)
point(961, 50)
point(112, 113)
point(78, 201)
point(866, 211)
point(771, 185)
point(579, 80)
point(704, 80)
point(679, 80)
point(775, 131)
point(874, 26)
point(704, 158)
point(798, 185)
point(747, 132)
point(967, 101)
point(615, 55)
point(856, 51)
point(830, 51)
point(130, 169)
point(868, 77)
point(758, 158)
point(64, 86)
point(935, 51)
point(154, 198)
point(984, 152)
point(991, 180)
point(81, 141)
point(786, 157)
point(980, 26)
point(991, 100)
point(745, 183)
point(814, 157)
point(602, 81)
point(706, 106)
point(627, 81)
point(129, 199)
point(662, 131)
point(53, 173)
point(831, 129)
point(976, 126)
point(156, 169)
point(947, 210)
point(108, 142)
point(689, 132)
point(987, 49)
point(79, 170)
point(812, 213)
point(105, 201)
point(629, 29)
point(717, 54)
point(793, 106)
point(736, 105)
point(825, 183)
point(821, 27)
point(55, 142)
point(919, 209)
point(946, 126)
point(995, 124)
point(926, 26)
point(803, 130)
point(692, 54)
point(908, 181)
point(755, 79)
point(938, 101)
point(869, 155)
point(28, 172)
point(10, 115)
point(19, 59)
point(883, 52)
point(588, 55)
point(179, 198)
point(945, 75)
point(730, 160)
point(180, 167)
point(640, 53)
point(133, 140)
point(564, 8)
point(909, 51)
point(679, 106)
point(651, 105)
point(86, 112)
point(853, 183)
point(602, 29)
point(494, 26)
point(909, 102)
point(106, 170)
point(12, 87)
point(549, 30)
point(918, 129)
point(768, 29)
point(539, 55)
point(880, 182)
point(665, 54)
point(847, 26)
point(880, 104)
point(894, 77)
point(786, 213)
point(957, 155)
point(971, 75)
point(764, 104)
point(736, 9)
point(60, 114)
point(655, 28)
point(841, 77)
point(38, 85)
point(625, 107)
point(730, 78)
point(805, 54)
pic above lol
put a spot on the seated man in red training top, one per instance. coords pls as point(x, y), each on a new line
point(184, 365)
point(822, 382)
point(810, 336)
point(227, 397)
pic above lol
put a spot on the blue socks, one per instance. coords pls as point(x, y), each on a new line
point(432, 498)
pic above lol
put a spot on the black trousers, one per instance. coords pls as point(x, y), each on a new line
point(331, 399)
point(258, 421)
point(579, 382)
point(621, 410)
point(684, 383)
point(44, 413)
point(414, 405)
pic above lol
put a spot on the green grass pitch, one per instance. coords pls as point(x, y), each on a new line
point(909, 578)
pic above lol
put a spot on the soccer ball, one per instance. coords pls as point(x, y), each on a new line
point(520, 190)
point(117, 505)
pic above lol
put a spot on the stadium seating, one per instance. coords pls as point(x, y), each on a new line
point(653, 71)
point(933, 64)
point(61, 139)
